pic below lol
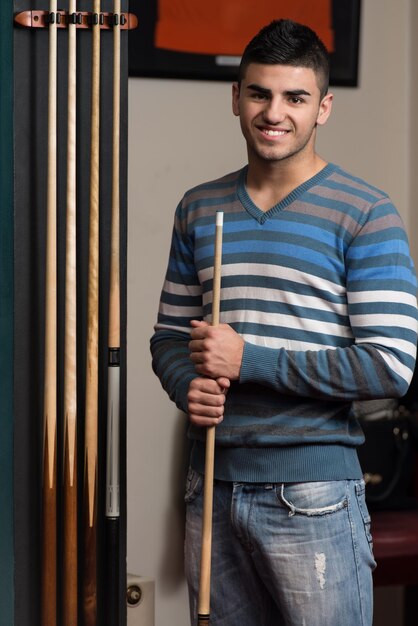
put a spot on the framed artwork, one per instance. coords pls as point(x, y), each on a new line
point(204, 40)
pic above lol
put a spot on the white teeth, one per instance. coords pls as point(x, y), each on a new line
point(275, 133)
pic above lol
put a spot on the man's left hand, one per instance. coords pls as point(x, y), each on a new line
point(216, 350)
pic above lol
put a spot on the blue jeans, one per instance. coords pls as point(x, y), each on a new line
point(283, 554)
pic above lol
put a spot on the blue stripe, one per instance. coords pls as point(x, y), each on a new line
point(379, 261)
point(399, 332)
point(389, 308)
point(380, 249)
point(281, 284)
point(178, 267)
point(277, 249)
point(266, 306)
point(282, 332)
point(383, 273)
point(381, 284)
point(180, 300)
point(182, 321)
point(319, 229)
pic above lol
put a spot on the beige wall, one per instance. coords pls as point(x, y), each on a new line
point(181, 133)
point(413, 130)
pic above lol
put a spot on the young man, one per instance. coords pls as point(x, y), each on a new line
point(318, 310)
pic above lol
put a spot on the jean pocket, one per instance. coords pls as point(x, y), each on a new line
point(313, 499)
point(364, 512)
point(194, 485)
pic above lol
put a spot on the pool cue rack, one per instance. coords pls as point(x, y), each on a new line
point(30, 85)
point(82, 19)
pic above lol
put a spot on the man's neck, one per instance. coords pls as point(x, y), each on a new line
point(269, 183)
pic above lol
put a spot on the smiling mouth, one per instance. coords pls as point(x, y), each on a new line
point(274, 133)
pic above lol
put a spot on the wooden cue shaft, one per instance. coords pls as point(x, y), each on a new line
point(91, 407)
point(114, 290)
point(49, 486)
point(70, 559)
point(113, 398)
point(205, 563)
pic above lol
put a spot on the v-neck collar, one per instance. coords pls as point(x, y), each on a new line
point(262, 216)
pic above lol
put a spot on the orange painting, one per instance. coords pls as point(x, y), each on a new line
point(224, 27)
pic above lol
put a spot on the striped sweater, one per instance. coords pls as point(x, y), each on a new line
point(323, 291)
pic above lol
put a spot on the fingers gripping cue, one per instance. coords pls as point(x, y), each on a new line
point(205, 562)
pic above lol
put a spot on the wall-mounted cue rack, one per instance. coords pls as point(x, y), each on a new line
point(68, 157)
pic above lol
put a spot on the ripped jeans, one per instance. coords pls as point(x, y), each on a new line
point(288, 554)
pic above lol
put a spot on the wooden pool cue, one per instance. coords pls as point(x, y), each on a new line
point(90, 500)
point(113, 397)
point(203, 617)
point(70, 543)
point(49, 479)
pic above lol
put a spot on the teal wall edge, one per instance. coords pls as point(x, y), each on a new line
point(6, 316)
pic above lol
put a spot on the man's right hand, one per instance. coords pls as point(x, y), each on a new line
point(206, 400)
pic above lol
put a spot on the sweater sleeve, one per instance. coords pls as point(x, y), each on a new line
point(180, 302)
point(382, 311)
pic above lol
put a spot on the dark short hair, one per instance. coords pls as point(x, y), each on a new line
point(285, 42)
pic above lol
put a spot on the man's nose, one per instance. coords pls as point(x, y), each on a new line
point(274, 113)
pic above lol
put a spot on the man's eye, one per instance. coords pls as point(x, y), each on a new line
point(296, 100)
point(259, 96)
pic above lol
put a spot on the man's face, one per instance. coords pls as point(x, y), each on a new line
point(279, 107)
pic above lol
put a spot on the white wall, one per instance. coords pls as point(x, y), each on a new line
point(368, 132)
point(181, 133)
point(413, 134)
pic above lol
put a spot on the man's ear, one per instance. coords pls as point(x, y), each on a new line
point(325, 108)
point(235, 98)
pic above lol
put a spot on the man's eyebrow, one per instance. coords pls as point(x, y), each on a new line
point(288, 92)
point(259, 89)
point(296, 92)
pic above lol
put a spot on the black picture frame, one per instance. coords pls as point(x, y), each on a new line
point(145, 60)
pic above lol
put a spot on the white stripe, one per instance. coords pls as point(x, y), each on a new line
point(274, 271)
point(288, 344)
point(392, 343)
point(361, 297)
point(396, 366)
point(180, 311)
point(182, 290)
point(380, 319)
point(275, 295)
point(287, 321)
